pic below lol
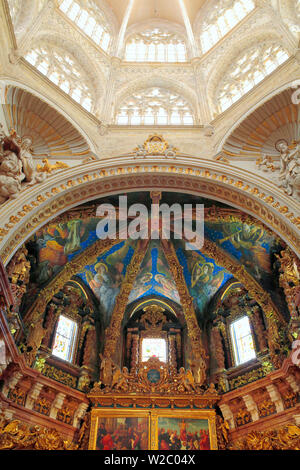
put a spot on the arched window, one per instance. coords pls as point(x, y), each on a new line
point(222, 18)
point(248, 70)
point(242, 340)
point(154, 347)
point(65, 338)
point(154, 106)
point(89, 18)
point(155, 45)
point(62, 70)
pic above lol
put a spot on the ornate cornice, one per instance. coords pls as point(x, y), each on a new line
point(39, 204)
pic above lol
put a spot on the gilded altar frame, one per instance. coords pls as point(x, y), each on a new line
point(153, 415)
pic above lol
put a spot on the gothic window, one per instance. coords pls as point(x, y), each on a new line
point(154, 106)
point(155, 45)
point(154, 347)
point(88, 17)
point(222, 19)
point(62, 70)
point(242, 340)
point(65, 338)
point(248, 70)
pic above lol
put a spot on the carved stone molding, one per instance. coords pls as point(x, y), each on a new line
point(213, 180)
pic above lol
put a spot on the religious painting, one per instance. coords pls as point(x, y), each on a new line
point(184, 430)
point(152, 429)
point(120, 430)
point(251, 244)
point(183, 434)
point(202, 275)
point(105, 276)
point(154, 277)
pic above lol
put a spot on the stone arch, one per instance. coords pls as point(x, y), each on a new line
point(261, 102)
point(8, 82)
point(158, 81)
point(236, 187)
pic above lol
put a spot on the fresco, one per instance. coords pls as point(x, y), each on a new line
point(154, 277)
point(105, 276)
point(202, 275)
point(54, 245)
point(251, 245)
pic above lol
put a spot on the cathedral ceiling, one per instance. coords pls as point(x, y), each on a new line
point(155, 9)
point(234, 235)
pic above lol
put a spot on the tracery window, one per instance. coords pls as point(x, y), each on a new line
point(154, 347)
point(222, 19)
point(249, 69)
point(154, 106)
point(88, 17)
point(242, 340)
point(155, 45)
point(62, 70)
point(65, 338)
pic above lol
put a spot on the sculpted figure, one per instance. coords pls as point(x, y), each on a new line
point(16, 164)
point(106, 370)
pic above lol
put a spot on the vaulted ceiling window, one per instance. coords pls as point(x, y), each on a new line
point(250, 68)
point(154, 106)
point(65, 338)
point(89, 19)
point(222, 18)
point(155, 45)
point(242, 340)
point(62, 70)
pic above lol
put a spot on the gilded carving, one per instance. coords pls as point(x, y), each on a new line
point(199, 357)
point(15, 435)
point(285, 438)
point(59, 375)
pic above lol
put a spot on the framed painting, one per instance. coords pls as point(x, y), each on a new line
point(183, 430)
point(119, 430)
point(155, 429)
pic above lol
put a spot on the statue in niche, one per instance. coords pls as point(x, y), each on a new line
point(106, 370)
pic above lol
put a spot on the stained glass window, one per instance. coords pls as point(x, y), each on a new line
point(65, 338)
point(154, 347)
point(242, 340)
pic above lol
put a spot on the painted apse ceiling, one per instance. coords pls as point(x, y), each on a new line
point(237, 235)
